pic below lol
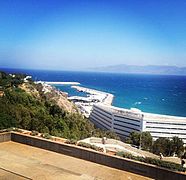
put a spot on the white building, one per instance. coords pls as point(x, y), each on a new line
point(123, 122)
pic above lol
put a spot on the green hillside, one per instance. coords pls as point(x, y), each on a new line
point(21, 109)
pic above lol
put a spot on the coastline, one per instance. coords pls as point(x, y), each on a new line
point(59, 83)
point(97, 106)
point(85, 104)
point(104, 97)
point(129, 90)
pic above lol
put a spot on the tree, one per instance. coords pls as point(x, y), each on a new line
point(141, 139)
point(6, 121)
point(177, 146)
point(168, 147)
point(134, 138)
point(25, 110)
point(162, 145)
point(146, 141)
point(55, 110)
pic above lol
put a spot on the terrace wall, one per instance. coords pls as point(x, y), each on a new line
point(98, 157)
point(5, 137)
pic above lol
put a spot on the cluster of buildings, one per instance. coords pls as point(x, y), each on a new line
point(123, 122)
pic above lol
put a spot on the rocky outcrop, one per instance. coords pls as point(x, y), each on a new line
point(51, 94)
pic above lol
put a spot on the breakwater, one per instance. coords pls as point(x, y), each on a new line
point(103, 97)
point(60, 83)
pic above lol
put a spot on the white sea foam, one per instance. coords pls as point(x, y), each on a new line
point(137, 103)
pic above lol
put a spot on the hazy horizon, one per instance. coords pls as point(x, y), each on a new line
point(117, 69)
point(87, 68)
point(78, 35)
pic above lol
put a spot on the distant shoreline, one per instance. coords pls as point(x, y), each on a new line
point(60, 83)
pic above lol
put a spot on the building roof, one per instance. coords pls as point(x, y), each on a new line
point(138, 114)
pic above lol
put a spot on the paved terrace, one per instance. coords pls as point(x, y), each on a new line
point(19, 161)
point(31, 157)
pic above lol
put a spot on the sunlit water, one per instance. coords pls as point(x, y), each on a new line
point(150, 93)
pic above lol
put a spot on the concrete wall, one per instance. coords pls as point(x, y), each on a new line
point(100, 158)
point(5, 137)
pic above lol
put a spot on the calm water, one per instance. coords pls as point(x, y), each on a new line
point(150, 93)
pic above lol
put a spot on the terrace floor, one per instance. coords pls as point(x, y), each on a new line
point(19, 161)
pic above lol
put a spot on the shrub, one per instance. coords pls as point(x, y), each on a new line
point(9, 129)
point(153, 161)
point(17, 130)
point(71, 141)
point(83, 144)
point(120, 153)
point(34, 133)
point(46, 136)
point(94, 147)
point(86, 145)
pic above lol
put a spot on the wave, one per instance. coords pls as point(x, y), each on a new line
point(137, 103)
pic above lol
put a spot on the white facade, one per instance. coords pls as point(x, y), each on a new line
point(123, 122)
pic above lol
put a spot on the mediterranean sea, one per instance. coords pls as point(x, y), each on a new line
point(159, 94)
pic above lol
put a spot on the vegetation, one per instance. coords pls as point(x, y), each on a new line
point(83, 144)
point(157, 162)
point(166, 146)
point(142, 140)
point(71, 141)
point(22, 110)
point(38, 114)
point(184, 156)
point(46, 136)
point(8, 80)
point(34, 133)
point(11, 129)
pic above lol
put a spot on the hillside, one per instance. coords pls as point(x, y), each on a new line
point(25, 105)
point(132, 69)
point(49, 93)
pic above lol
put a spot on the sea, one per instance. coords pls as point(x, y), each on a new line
point(160, 94)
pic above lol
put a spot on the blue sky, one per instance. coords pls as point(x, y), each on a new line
point(67, 34)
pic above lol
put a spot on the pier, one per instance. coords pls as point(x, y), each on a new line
point(85, 104)
point(63, 83)
point(100, 96)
